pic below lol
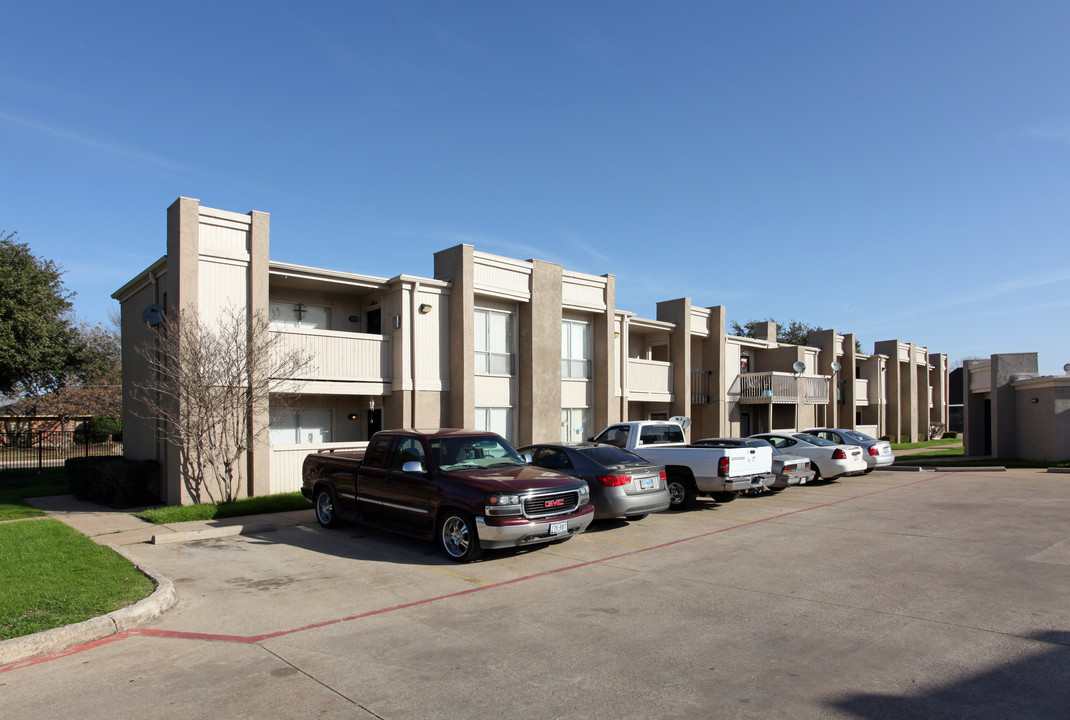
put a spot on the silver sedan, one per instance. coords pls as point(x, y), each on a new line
point(877, 453)
point(622, 483)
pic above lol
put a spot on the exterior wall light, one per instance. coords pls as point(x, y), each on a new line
point(352, 416)
point(425, 308)
point(1034, 400)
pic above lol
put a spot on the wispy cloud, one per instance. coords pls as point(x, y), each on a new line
point(505, 246)
point(111, 148)
point(982, 293)
point(1059, 131)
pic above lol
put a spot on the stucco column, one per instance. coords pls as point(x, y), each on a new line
point(183, 252)
point(849, 360)
point(678, 312)
point(539, 412)
point(826, 341)
point(716, 357)
point(456, 265)
point(606, 410)
point(893, 387)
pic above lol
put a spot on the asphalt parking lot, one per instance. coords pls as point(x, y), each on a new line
point(892, 595)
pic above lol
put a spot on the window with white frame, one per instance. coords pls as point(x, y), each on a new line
point(493, 342)
point(575, 349)
point(495, 419)
point(300, 427)
point(298, 314)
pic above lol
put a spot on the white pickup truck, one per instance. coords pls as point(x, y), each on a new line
point(721, 473)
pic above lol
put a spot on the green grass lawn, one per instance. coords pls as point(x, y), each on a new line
point(208, 511)
point(956, 458)
point(13, 490)
point(52, 575)
point(926, 443)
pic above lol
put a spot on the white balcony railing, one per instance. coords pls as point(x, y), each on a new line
point(339, 356)
point(650, 377)
point(861, 391)
point(815, 389)
point(766, 388)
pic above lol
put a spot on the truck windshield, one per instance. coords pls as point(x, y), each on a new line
point(466, 453)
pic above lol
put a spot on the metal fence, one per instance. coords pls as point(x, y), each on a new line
point(30, 452)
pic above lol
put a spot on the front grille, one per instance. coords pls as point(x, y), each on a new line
point(551, 504)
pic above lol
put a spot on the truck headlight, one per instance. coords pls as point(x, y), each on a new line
point(585, 494)
point(499, 505)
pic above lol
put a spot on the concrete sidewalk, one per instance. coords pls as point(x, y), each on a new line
point(119, 529)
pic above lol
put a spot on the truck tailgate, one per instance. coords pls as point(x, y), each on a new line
point(749, 461)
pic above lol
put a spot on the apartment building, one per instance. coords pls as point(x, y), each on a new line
point(476, 346)
point(1011, 411)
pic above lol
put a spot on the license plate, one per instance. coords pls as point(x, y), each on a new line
point(646, 483)
point(556, 528)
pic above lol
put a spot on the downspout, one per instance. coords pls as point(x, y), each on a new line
point(414, 311)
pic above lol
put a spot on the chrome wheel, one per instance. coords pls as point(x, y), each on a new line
point(325, 509)
point(457, 537)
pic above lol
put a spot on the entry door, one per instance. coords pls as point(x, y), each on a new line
point(575, 424)
point(375, 421)
point(375, 322)
point(744, 425)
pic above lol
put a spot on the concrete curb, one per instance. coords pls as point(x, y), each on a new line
point(98, 628)
point(946, 469)
point(1059, 470)
point(187, 536)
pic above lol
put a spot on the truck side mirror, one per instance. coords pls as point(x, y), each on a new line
point(527, 458)
point(413, 466)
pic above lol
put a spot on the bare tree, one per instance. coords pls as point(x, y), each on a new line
point(209, 385)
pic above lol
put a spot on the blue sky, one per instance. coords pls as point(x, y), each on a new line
point(898, 170)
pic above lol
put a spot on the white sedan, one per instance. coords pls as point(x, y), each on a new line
point(829, 460)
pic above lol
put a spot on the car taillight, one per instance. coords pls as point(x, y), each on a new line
point(722, 466)
point(839, 454)
point(614, 480)
point(874, 451)
point(663, 476)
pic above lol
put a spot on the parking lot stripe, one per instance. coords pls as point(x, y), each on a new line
point(254, 639)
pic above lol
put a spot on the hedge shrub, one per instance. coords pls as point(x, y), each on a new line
point(117, 482)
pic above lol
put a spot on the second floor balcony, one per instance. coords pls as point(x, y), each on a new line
point(765, 388)
point(649, 380)
point(341, 362)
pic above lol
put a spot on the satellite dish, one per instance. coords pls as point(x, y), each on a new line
point(799, 366)
point(836, 367)
point(152, 315)
point(1066, 368)
point(681, 420)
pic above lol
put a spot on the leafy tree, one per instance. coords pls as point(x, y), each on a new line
point(38, 343)
point(91, 385)
point(794, 333)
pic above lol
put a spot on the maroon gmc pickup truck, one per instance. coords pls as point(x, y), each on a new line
point(468, 490)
